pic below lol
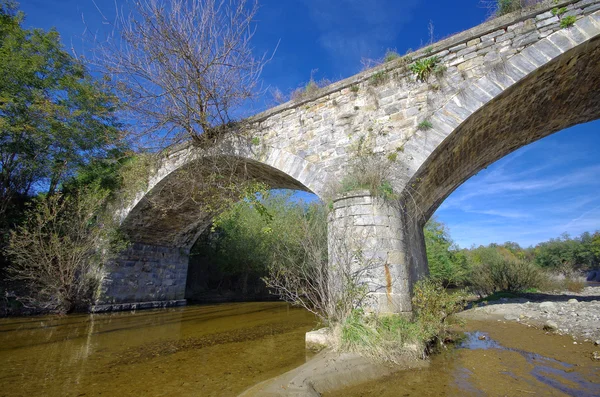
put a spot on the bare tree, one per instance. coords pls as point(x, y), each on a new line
point(181, 66)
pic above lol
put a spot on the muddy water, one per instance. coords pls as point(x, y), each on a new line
point(217, 350)
point(497, 359)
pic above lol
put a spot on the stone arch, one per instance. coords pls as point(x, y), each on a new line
point(178, 227)
point(154, 268)
point(549, 86)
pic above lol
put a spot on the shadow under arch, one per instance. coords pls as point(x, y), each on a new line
point(168, 215)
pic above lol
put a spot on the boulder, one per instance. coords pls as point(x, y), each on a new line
point(319, 339)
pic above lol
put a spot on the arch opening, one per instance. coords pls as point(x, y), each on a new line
point(563, 93)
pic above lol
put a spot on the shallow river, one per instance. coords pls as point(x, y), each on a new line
point(220, 350)
point(217, 350)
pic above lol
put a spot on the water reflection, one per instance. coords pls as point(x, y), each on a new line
point(218, 349)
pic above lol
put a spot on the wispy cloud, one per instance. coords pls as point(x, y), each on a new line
point(532, 195)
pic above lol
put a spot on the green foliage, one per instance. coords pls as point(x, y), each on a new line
point(447, 264)
point(433, 306)
point(392, 157)
point(424, 67)
point(246, 238)
point(354, 88)
point(54, 117)
point(390, 55)
point(424, 125)
point(501, 270)
point(565, 254)
point(255, 141)
point(559, 11)
point(379, 78)
point(393, 337)
point(387, 338)
point(568, 21)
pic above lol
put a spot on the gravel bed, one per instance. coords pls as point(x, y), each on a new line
point(576, 314)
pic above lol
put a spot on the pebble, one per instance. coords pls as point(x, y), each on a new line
point(571, 301)
point(550, 325)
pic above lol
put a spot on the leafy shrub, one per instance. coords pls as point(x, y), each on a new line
point(447, 264)
point(504, 273)
point(423, 68)
point(568, 21)
point(433, 306)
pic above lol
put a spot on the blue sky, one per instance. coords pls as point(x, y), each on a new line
point(538, 192)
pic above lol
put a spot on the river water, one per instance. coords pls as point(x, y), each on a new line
point(221, 350)
point(216, 350)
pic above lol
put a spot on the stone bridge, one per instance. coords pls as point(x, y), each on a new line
point(496, 87)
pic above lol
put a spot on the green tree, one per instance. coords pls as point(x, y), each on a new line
point(245, 238)
point(53, 116)
point(446, 263)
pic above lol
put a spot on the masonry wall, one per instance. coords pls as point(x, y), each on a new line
point(366, 235)
point(146, 273)
point(312, 141)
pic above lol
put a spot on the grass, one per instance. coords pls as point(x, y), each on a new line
point(354, 88)
point(395, 338)
point(507, 6)
point(424, 125)
point(390, 55)
point(379, 78)
point(573, 285)
point(256, 141)
point(423, 68)
point(568, 21)
point(387, 338)
point(559, 11)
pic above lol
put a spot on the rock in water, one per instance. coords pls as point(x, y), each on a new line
point(571, 301)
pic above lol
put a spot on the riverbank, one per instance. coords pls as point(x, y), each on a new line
point(565, 313)
point(536, 343)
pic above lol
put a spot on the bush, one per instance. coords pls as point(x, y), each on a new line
point(433, 306)
point(500, 272)
point(423, 68)
point(58, 253)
